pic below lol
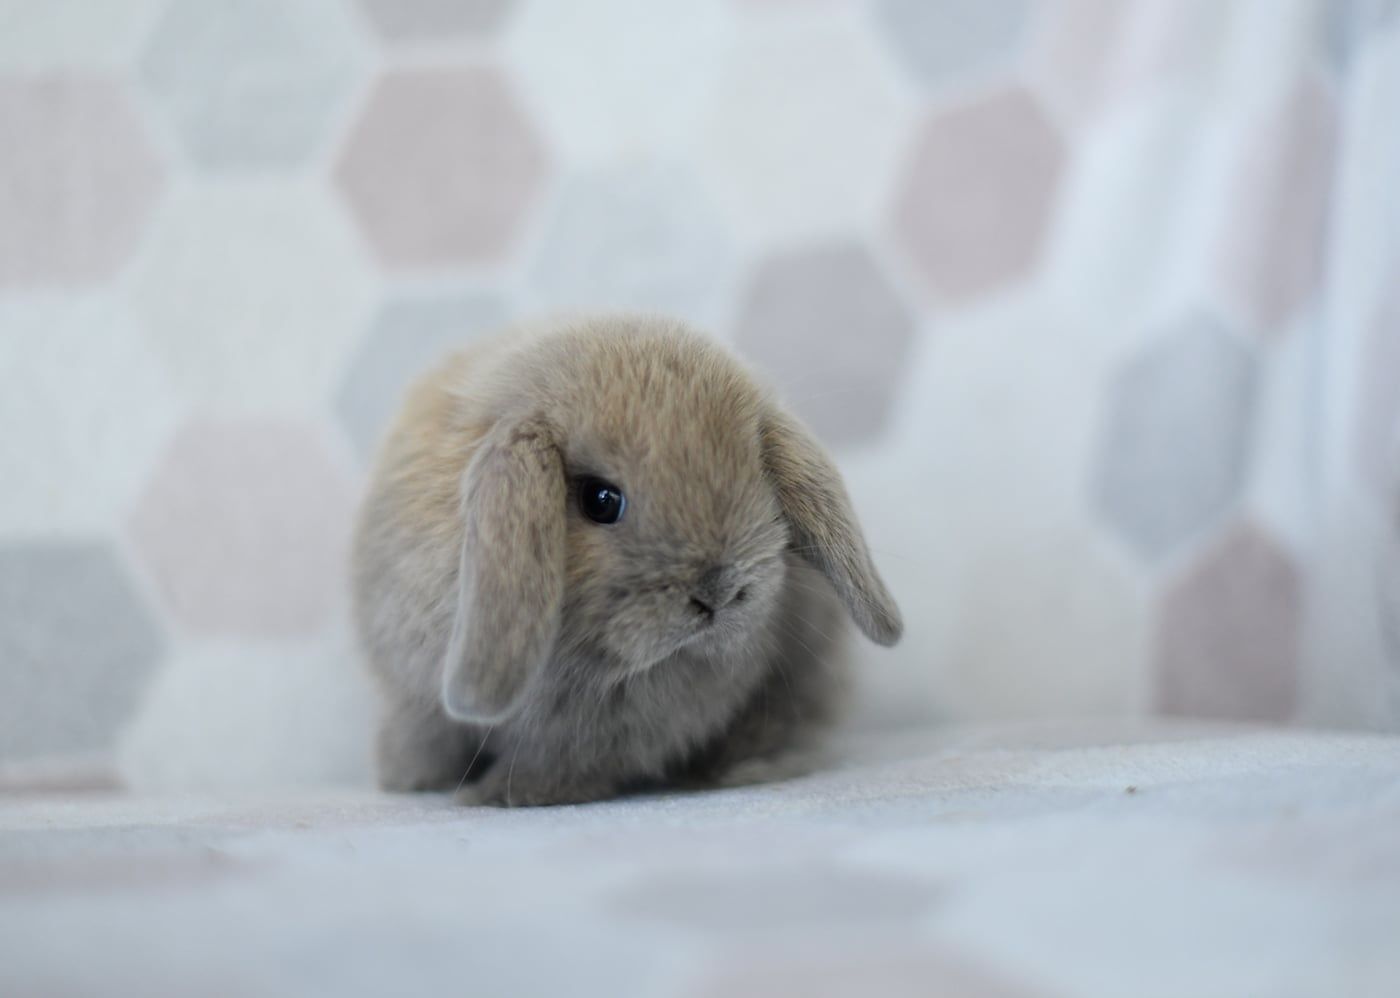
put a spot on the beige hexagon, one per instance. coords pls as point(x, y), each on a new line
point(1228, 632)
point(440, 166)
point(78, 179)
point(1272, 230)
point(976, 199)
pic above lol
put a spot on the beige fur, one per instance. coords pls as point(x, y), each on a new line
point(537, 657)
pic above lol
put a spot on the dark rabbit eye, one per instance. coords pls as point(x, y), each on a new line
point(601, 502)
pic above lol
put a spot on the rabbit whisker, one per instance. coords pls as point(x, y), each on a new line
point(475, 756)
point(510, 774)
point(882, 552)
point(859, 597)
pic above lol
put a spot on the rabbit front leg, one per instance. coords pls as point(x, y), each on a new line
point(421, 748)
point(510, 783)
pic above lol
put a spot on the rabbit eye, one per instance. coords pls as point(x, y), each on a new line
point(600, 501)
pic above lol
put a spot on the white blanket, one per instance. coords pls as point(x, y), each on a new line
point(1077, 859)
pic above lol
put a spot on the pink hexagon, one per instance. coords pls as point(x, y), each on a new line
point(77, 179)
point(1227, 638)
point(1271, 242)
point(440, 166)
point(973, 208)
point(1377, 424)
point(243, 527)
point(1089, 55)
point(893, 961)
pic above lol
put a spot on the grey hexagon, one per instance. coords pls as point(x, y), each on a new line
point(942, 40)
point(639, 238)
point(833, 334)
point(406, 338)
point(252, 83)
point(1175, 440)
point(77, 647)
point(1377, 421)
point(1347, 25)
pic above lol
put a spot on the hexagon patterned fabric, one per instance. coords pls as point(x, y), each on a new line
point(1096, 302)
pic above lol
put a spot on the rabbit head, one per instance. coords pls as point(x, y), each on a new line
point(634, 496)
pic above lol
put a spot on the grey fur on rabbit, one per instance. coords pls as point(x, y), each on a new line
point(598, 558)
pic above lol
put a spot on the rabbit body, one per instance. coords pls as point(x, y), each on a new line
point(529, 653)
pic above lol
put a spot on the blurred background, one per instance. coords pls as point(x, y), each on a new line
point(1097, 303)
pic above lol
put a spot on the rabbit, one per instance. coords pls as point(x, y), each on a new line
point(595, 558)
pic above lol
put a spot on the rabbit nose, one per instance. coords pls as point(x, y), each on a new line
point(714, 590)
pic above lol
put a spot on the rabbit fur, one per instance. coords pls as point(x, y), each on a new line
point(528, 655)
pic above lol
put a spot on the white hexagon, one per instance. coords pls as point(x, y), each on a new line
point(804, 134)
point(68, 33)
point(254, 714)
point(86, 405)
point(644, 238)
point(254, 83)
point(974, 509)
point(1053, 624)
point(253, 293)
point(618, 79)
point(1130, 204)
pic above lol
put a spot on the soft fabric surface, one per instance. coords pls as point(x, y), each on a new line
point(1074, 859)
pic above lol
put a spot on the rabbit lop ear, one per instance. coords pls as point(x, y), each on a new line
point(823, 525)
point(511, 574)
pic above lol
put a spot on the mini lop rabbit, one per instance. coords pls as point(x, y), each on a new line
point(598, 558)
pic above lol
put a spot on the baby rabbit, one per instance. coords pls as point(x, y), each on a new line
point(597, 558)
